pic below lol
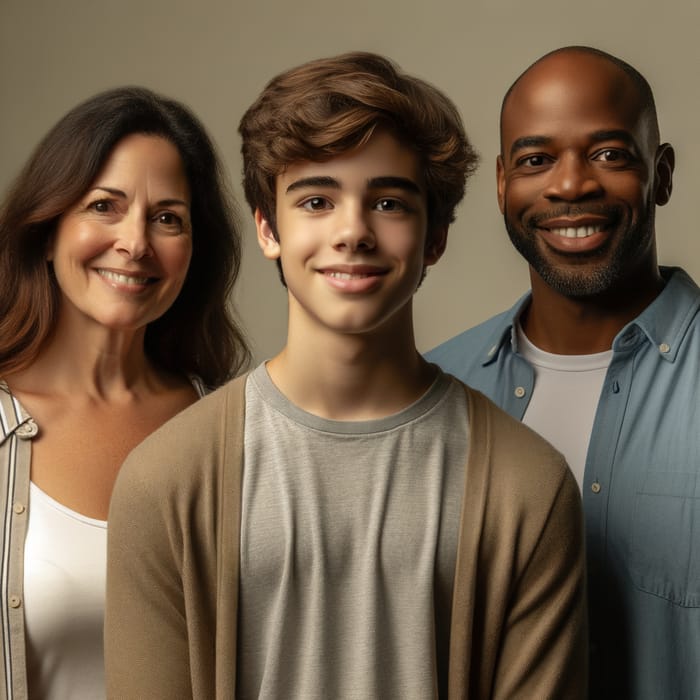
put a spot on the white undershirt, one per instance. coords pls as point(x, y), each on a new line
point(64, 582)
point(565, 398)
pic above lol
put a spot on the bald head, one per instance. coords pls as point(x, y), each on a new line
point(580, 173)
point(565, 64)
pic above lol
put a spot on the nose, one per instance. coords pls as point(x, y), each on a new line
point(355, 231)
point(572, 178)
point(133, 240)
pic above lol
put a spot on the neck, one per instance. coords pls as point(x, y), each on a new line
point(98, 363)
point(351, 376)
point(581, 326)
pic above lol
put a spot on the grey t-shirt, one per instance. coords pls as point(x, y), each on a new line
point(348, 544)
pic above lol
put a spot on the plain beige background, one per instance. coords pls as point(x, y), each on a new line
point(216, 55)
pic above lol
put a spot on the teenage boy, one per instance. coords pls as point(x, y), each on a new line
point(347, 521)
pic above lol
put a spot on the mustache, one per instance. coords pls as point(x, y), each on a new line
point(607, 211)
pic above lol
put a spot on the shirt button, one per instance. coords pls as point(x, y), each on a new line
point(519, 391)
point(18, 508)
point(595, 487)
point(664, 347)
point(15, 601)
point(27, 430)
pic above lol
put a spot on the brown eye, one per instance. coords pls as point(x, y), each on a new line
point(316, 204)
point(388, 204)
point(101, 206)
point(612, 155)
point(169, 220)
point(533, 161)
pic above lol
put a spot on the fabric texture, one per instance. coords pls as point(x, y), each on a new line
point(551, 412)
point(518, 613)
point(65, 559)
point(641, 487)
point(17, 429)
point(349, 532)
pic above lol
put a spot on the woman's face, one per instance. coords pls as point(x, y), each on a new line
point(121, 253)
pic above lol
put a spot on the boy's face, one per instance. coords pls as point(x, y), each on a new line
point(352, 237)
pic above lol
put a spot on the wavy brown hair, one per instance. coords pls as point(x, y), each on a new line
point(329, 106)
point(198, 333)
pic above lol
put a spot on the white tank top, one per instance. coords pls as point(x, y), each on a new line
point(64, 592)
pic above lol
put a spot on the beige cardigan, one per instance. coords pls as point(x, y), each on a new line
point(518, 618)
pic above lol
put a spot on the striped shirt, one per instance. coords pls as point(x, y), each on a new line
point(16, 432)
point(17, 429)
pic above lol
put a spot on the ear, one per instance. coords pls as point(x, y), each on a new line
point(435, 245)
point(665, 162)
point(266, 237)
point(500, 183)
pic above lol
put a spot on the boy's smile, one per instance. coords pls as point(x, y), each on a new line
point(353, 278)
point(351, 235)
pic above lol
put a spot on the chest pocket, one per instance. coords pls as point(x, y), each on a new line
point(665, 544)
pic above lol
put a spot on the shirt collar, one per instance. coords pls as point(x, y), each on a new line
point(664, 322)
point(13, 416)
point(506, 330)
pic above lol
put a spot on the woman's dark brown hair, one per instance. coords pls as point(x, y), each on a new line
point(197, 334)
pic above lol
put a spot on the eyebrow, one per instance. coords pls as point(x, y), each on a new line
point(596, 137)
point(528, 142)
point(111, 190)
point(316, 181)
point(119, 193)
point(399, 183)
point(402, 183)
point(614, 135)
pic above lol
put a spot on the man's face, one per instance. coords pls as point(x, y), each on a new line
point(579, 175)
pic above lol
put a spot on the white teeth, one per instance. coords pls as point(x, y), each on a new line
point(122, 279)
point(576, 232)
point(346, 275)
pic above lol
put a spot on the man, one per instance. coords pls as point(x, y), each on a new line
point(603, 356)
point(311, 530)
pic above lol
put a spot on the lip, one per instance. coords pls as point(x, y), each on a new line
point(353, 279)
point(575, 235)
point(125, 280)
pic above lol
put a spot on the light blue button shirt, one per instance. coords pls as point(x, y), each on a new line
point(641, 488)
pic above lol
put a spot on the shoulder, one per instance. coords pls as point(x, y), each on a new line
point(680, 277)
point(472, 338)
point(473, 345)
point(679, 297)
point(183, 454)
point(525, 471)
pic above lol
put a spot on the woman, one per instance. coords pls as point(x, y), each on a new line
point(117, 254)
